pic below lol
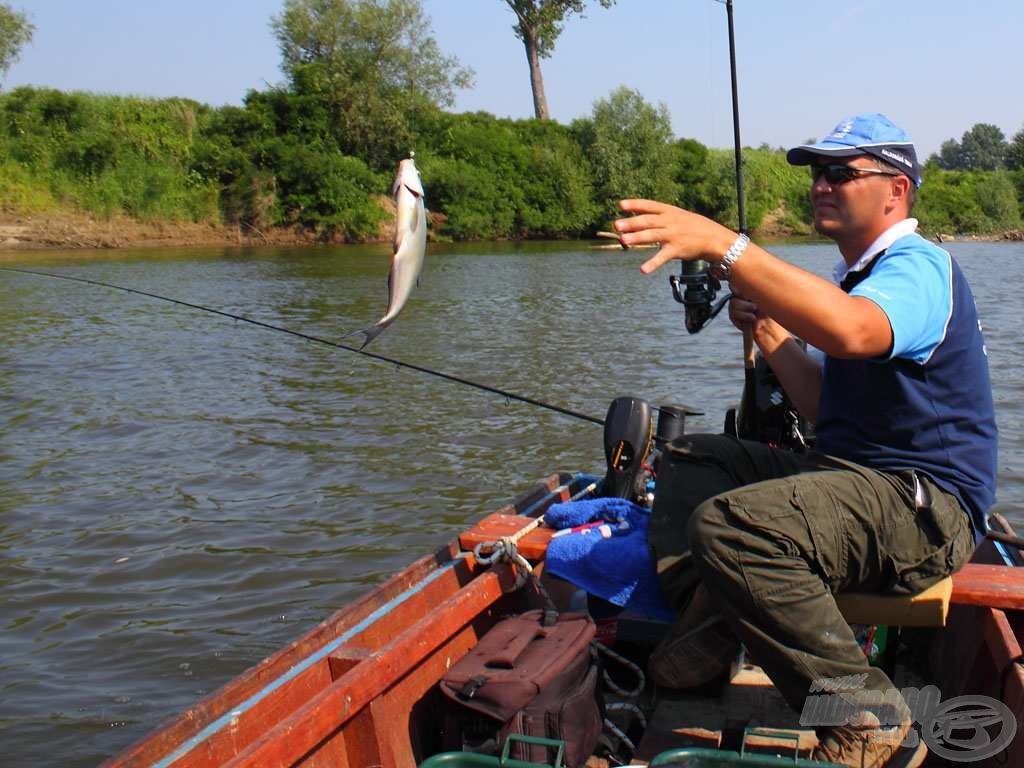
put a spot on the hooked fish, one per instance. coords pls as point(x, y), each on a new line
point(409, 247)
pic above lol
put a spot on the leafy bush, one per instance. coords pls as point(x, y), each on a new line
point(108, 154)
point(280, 160)
point(959, 202)
point(629, 144)
point(495, 178)
point(325, 191)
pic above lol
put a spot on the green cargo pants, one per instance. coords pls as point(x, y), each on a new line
point(774, 535)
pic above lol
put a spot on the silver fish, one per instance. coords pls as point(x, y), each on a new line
point(409, 248)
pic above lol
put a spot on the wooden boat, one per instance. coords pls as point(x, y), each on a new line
point(360, 688)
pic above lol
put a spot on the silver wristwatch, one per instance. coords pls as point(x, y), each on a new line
point(723, 268)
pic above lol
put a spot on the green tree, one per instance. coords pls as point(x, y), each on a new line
point(1015, 152)
point(950, 156)
point(983, 148)
point(15, 32)
point(538, 25)
point(374, 63)
point(629, 144)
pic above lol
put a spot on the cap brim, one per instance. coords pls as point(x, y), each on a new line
point(806, 153)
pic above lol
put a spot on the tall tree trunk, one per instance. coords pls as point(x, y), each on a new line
point(540, 101)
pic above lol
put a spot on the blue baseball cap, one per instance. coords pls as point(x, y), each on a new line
point(869, 134)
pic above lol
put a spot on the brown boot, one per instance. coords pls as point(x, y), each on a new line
point(866, 745)
point(698, 648)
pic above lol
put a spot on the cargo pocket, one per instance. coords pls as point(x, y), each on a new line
point(945, 543)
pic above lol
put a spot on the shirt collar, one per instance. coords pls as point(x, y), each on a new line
point(883, 241)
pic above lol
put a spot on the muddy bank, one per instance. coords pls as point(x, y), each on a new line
point(71, 231)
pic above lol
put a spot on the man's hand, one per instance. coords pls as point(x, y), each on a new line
point(682, 234)
point(743, 313)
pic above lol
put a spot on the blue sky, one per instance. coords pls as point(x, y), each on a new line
point(937, 67)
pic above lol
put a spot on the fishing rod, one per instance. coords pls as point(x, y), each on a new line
point(695, 287)
point(318, 340)
point(747, 423)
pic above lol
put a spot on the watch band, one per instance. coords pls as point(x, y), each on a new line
point(723, 268)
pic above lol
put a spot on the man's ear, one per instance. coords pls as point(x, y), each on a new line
point(901, 190)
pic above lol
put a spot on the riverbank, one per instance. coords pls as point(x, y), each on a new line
point(69, 231)
point(74, 231)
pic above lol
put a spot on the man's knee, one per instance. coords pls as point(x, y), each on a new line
point(707, 527)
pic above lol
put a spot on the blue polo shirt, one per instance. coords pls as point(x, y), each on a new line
point(927, 406)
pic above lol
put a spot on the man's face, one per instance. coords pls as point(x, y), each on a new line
point(849, 207)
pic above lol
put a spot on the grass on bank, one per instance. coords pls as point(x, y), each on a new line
point(275, 162)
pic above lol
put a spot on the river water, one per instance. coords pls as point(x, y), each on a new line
point(182, 494)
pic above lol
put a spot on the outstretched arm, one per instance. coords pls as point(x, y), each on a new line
point(813, 308)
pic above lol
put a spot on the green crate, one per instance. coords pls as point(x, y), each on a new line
point(714, 758)
point(694, 757)
point(473, 760)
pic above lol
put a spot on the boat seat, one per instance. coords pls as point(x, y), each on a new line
point(924, 609)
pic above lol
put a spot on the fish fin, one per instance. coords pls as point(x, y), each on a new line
point(370, 333)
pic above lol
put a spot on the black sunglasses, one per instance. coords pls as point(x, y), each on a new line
point(840, 174)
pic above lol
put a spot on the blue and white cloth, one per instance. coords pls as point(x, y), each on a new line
point(601, 546)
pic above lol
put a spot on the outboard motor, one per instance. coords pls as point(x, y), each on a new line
point(628, 436)
point(631, 445)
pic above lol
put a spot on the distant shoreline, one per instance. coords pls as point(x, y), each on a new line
point(52, 232)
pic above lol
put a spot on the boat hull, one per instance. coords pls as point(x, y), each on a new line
point(360, 689)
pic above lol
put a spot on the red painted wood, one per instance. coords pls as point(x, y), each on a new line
point(169, 737)
point(166, 740)
point(532, 546)
point(993, 586)
point(255, 722)
point(295, 736)
point(343, 659)
point(1013, 697)
point(1000, 640)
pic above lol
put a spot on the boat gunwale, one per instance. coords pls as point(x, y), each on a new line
point(177, 736)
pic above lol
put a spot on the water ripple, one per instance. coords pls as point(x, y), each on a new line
point(180, 495)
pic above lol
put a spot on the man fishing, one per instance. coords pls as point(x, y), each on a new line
point(904, 466)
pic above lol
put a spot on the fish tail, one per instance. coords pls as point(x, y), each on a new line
point(370, 334)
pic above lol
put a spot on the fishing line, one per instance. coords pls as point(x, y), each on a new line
point(318, 340)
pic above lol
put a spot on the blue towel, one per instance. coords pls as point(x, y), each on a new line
point(609, 559)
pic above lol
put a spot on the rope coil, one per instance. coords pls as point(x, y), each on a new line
point(505, 550)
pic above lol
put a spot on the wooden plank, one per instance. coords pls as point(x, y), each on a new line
point(168, 738)
point(994, 586)
point(333, 754)
point(290, 696)
point(493, 527)
point(213, 708)
point(343, 659)
point(1000, 640)
point(393, 709)
point(925, 609)
point(361, 747)
point(1013, 697)
point(290, 739)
